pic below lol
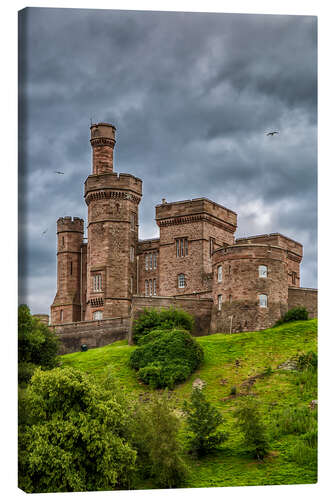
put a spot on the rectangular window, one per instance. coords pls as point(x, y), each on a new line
point(181, 280)
point(146, 288)
point(181, 247)
point(147, 261)
point(132, 254)
point(154, 286)
point(71, 267)
point(131, 284)
point(150, 261)
point(211, 246)
point(219, 274)
point(155, 260)
point(262, 271)
point(150, 287)
point(97, 283)
point(263, 300)
point(61, 315)
point(219, 302)
point(132, 221)
point(293, 278)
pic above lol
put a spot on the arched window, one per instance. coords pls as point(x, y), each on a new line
point(181, 280)
point(219, 302)
point(98, 315)
point(262, 271)
point(263, 300)
point(219, 274)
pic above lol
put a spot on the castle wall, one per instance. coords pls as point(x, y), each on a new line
point(91, 333)
point(148, 262)
point(199, 308)
point(304, 297)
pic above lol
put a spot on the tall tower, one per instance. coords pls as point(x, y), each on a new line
point(113, 201)
point(66, 307)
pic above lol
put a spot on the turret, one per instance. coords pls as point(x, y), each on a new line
point(66, 307)
point(102, 140)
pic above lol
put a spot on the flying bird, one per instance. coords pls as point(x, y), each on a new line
point(57, 172)
point(272, 133)
point(44, 232)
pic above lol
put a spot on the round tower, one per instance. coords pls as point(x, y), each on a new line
point(66, 307)
point(113, 201)
point(250, 287)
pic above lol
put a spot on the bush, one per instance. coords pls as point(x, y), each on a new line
point(295, 314)
point(249, 422)
point(74, 438)
point(25, 372)
point(308, 361)
point(164, 319)
point(303, 454)
point(155, 437)
point(202, 422)
point(294, 421)
point(37, 344)
point(169, 358)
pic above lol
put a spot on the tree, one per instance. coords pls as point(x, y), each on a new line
point(155, 436)
point(249, 422)
point(37, 344)
point(203, 419)
point(74, 438)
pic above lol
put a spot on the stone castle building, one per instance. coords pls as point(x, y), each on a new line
point(104, 281)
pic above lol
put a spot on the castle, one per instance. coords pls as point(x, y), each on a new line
point(228, 284)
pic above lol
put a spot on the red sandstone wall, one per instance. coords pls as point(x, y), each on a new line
point(304, 297)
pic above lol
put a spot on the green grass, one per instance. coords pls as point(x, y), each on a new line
point(277, 391)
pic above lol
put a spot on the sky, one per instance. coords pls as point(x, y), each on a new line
point(192, 96)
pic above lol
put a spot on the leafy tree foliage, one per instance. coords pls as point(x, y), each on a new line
point(170, 357)
point(155, 430)
point(72, 435)
point(164, 319)
point(37, 344)
point(249, 421)
point(203, 420)
point(295, 314)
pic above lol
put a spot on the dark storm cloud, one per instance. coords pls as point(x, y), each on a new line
point(192, 97)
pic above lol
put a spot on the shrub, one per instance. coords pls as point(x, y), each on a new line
point(249, 421)
point(303, 454)
point(295, 314)
point(167, 359)
point(25, 372)
point(37, 344)
point(75, 437)
point(294, 421)
point(308, 361)
point(233, 391)
point(165, 319)
point(155, 437)
point(202, 422)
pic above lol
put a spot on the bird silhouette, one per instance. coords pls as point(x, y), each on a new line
point(57, 172)
point(44, 232)
point(272, 133)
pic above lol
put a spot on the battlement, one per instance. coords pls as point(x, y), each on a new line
point(113, 181)
point(276, 239)
point(197, 206)
point(149, 244)
point(69, 223)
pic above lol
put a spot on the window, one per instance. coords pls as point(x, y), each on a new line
point(132, 221)
point(61, 315)
point(146, 288)
point(293, 277)
point(230, 299)
point(181, 247)
point(262, 271)
point(155, 260)
point(97, 283)
point(131, 284)
point(132, 254)
point(211, 246)
point(62, 241)
point(181, 280)
point(150, 287)
point(219, 302)
point(147, 261)
point(150, 261)
point(154, 286)
point(219, 274)
point(263, 300)
point(98, 315)
point(71, 267)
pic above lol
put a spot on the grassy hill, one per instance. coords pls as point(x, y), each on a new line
point(245, 363)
